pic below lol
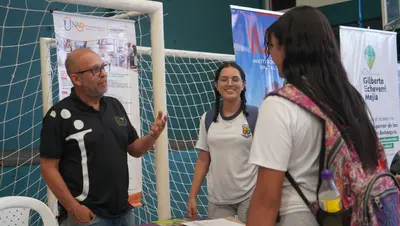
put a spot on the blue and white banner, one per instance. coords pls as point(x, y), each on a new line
point(248, 29)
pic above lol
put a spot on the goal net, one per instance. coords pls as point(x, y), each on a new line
point(190, 92)
point(189, 87)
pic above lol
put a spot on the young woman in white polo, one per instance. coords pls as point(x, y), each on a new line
point(224, 149)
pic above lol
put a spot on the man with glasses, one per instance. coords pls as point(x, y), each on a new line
point(84, 144)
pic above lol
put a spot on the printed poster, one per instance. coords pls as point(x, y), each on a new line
point(248, 30)
point(370, 59)
point(115, 42)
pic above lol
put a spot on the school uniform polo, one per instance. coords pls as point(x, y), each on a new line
point(289, 138)
point(91, 146)
point(230, 179)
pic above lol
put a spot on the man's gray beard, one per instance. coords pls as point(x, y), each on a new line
point(91, 93)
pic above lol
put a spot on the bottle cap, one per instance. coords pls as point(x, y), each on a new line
point(326, 175)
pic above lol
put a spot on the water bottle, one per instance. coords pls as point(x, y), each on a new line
point(330, 199)
point(329, 196)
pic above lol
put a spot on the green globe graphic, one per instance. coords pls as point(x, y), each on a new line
point(370, 56)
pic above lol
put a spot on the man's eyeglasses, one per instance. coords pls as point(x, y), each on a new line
point(96, 70)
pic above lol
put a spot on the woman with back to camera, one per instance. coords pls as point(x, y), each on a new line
point(303, 47)
point(224, 142)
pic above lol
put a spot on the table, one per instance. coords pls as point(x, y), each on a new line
point(178, 222)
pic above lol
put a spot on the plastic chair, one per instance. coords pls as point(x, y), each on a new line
point(15, 211)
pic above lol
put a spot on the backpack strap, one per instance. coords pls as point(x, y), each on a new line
point(209, 118)
point(297, 188)
point(321, 167)
point(251, 118)
point(296, 96)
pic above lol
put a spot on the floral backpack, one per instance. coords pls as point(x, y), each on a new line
point(368, 198)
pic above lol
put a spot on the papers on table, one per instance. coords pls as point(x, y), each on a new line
point(217, 222)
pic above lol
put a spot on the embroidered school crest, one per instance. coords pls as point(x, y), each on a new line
point(121, 121)
point(246, 132)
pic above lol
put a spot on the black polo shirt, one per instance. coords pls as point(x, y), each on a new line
point(92, 148)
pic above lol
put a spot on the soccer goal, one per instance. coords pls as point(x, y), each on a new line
point(176, 81)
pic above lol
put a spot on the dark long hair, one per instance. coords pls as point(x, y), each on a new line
point(218, 95)
point(313, 65)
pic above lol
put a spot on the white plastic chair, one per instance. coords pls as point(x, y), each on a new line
point(15, 211)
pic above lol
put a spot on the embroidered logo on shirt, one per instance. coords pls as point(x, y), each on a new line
point(121, 121)
point(246, 132)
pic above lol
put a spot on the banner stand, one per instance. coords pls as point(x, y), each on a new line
point(248, 29)
point(370, 59)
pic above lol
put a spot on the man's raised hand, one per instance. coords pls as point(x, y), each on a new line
point(158, 125)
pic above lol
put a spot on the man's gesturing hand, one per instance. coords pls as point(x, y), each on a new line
point(158, 125)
